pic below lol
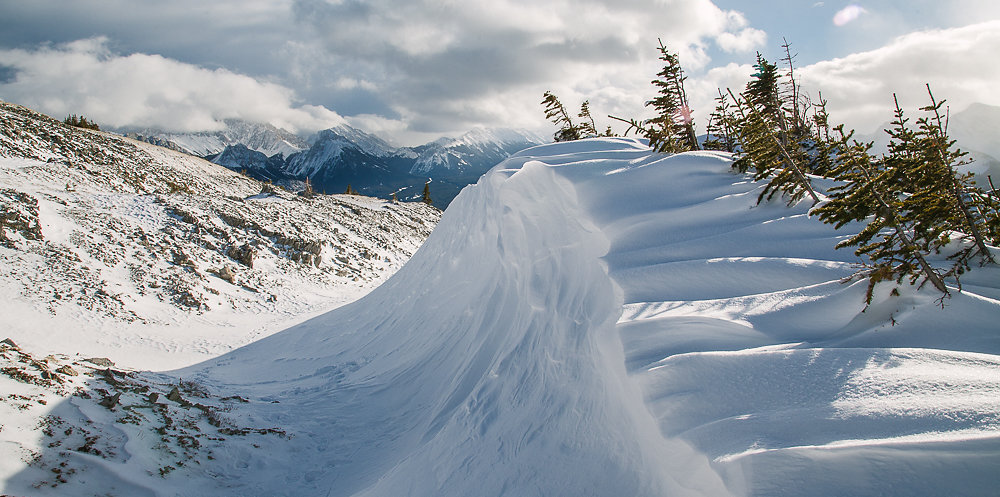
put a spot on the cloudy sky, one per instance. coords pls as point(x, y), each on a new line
point(415, 70)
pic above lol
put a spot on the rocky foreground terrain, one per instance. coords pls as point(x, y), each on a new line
point(102, 234)
point(118, 256)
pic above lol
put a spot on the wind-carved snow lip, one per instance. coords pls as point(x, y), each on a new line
point(538, 368)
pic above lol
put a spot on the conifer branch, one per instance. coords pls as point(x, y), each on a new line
point(800, 176)
point(939, 140)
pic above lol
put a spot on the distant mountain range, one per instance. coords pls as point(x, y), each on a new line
point(343, 156)
point(263, 138)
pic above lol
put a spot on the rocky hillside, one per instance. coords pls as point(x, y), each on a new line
point(119, 247)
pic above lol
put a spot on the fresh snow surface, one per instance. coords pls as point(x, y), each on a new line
point(595, 319)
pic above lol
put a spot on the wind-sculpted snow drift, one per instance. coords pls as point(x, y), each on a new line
point(595, 319)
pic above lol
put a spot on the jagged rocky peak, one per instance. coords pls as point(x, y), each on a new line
point(346, 135)
point(342, 155)
point(474, 152)
point(262, 137)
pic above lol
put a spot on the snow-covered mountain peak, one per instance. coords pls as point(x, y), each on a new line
point(354, 137)
point(473, 152)
point(261, 137)
point(481, 136)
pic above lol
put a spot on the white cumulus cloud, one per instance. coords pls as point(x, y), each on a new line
point(86, 77)
point(859, 87)
point(847, 14)
point(739, 37)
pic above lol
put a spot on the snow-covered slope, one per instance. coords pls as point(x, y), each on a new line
point(158, 259)
point(590, 318)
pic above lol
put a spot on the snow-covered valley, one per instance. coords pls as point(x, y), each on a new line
point(590, 318)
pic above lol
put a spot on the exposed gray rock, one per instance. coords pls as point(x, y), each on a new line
point(103, 362)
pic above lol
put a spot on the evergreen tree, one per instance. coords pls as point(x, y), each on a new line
point(427, 194)
point(795, 105)
point(672, 130)
point(81, 122)
point(587, 128)
point(820, 149)
point(765, 144)
point(871, 193)
point(720, 126)
point(761, 150)
point(987, 203)
point(762, 92)
point(557, 113)
point(913, 201)
point(939, 193)
point(307, 191)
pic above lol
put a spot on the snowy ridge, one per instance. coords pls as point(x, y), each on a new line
point(331, 148)
point(473, 152)
point(592, 318)
point(365, 142)
point(264, 138)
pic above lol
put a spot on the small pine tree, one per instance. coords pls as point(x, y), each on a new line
point(587, 128)
point(870, 193)
point(672, 130)
point(795, 105)
point(673, 124)
point(820, 149)
point(762, 91)
point(557, 113)
point(762, 151)
point(939, 192)
point(987, 201)
point(81, 122)
point(308, 191)
point(912, 200)
point(765, 144)
point(720, 126)
point(427, 194)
